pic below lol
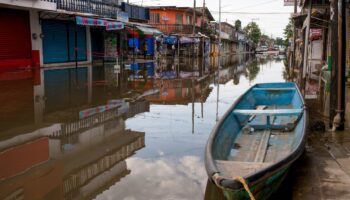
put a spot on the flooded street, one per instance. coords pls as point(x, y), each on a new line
point(100, 132)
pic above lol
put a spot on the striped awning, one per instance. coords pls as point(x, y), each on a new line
point(88, 21)
point(115, 26)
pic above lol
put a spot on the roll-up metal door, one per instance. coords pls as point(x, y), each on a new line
point(15, 42)
point(81, 42)
point(55, 41)
point(59, 41)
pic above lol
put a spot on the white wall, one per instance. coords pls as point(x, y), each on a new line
point(42, 5)
point(35, 29)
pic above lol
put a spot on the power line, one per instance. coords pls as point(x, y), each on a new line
point(252, 13)
point(251, 6)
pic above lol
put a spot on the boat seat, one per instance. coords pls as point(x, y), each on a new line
point(238, 168)
point(274, 89)
point(272, 112)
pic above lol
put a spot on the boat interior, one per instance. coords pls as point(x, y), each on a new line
point(264, 127)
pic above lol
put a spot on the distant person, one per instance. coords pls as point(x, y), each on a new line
point(173, 49)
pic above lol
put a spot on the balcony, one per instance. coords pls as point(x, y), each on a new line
point(177, 28)
point(96, 7)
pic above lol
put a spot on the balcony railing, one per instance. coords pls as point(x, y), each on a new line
point(177, 28)
point(97, 7)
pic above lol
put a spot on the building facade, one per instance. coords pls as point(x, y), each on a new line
point(180, 20)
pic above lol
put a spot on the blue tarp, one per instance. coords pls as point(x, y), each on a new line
point(134, 41)
point(141, 66)
point(170, 39)
point(150, 46)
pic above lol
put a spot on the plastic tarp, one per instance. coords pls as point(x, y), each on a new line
point(188, 40)
point(170, 40)
point(134, 42)
point(149, 30)
point(137, 67)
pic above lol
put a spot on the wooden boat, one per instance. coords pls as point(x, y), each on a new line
point(253, 145)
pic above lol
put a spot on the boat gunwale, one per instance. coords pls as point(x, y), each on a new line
point(256, 177)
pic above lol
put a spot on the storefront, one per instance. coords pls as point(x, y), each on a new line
point(15, 40)
point(63, 41)
point(97, 43)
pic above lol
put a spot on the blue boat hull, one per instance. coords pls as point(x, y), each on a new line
point(276, 118)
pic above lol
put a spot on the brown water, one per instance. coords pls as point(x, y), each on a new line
point(94, 133)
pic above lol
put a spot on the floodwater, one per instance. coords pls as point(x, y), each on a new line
point(100, 132)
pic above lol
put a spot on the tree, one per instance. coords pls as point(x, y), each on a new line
point(288, 32)
point(264, 40)
point(280, 41)
point(253, 32)
point(238, 24)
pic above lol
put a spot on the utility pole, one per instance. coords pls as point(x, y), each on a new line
point(218, 70)
point(203, 13)
point(194, 17)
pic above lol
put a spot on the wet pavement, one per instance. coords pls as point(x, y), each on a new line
point(100, 132)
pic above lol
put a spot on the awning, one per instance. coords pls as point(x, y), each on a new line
point(114, 26)
point(88, 21)
point(149, 30)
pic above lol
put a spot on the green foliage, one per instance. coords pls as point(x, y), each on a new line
point(253, 32)
point(238, 24)
point(288, 32)
point(280, 41)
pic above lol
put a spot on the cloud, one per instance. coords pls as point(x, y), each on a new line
point(167, 179)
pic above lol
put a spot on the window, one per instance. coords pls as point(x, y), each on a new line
point(178, 18)
point(155, 18)
point(188, 19)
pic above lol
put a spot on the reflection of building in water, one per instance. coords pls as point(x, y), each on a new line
point(180, 91)
point(79, 166)
point(49, 96)
point(239, 71)
point(75, 143)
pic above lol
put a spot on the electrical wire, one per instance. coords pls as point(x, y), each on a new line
point(251, 6)
point(252, 13)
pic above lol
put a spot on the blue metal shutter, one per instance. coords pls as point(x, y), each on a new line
point(81, 42)
point(55, 43)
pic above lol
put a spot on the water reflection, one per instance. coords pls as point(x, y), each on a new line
point(132, 131)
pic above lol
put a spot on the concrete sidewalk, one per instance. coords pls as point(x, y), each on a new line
point(323, 172)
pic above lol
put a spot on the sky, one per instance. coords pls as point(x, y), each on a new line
point(270, 24)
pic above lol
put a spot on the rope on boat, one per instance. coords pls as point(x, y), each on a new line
point(216, 179)
point(246, 187)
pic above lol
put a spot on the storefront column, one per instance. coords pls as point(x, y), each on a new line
point(39, 94)
point(37, 43)
point(88, 44)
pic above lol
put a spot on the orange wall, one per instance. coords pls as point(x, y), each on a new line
point(171, 14)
